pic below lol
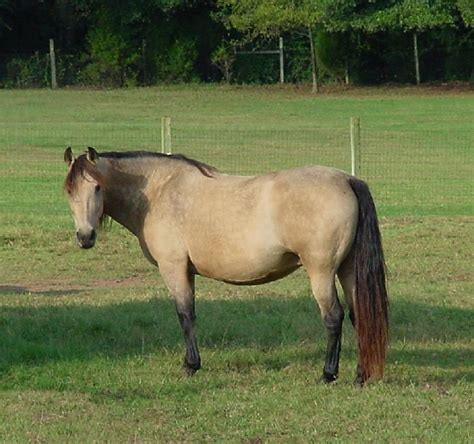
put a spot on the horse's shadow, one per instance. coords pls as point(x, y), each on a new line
point(35, 335)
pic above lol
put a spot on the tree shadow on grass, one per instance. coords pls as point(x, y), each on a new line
point(31, 336)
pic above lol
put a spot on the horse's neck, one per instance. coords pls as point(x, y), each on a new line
point(125, 199)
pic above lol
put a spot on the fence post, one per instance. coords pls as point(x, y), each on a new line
point(282, 61)
point(355, 146)
point(166, 135)
point(52, 59)
point(417, 59)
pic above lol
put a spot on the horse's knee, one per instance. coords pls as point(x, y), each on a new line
point(334, 318)
point(186, 317)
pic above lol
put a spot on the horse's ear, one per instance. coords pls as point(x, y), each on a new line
point(92, 155)
point(68, 156)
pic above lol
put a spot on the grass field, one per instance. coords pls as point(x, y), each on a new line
point(416, 148)
point(90, 347)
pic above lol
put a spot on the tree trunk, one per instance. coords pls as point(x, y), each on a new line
point(314, 68)
point(417, 60)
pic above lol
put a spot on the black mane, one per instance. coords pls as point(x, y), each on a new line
point(205, 169)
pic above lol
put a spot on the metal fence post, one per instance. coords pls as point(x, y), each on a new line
point(355, 146)
point(166, 135)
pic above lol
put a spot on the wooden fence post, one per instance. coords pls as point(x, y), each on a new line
point(166, 135)
point(282, 62)
point(355, 146)
point(52, 59)
point(314, 67)
point(417, 58)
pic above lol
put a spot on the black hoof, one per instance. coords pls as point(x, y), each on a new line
point(327, 378)
point(190, 369)
point(359, 381)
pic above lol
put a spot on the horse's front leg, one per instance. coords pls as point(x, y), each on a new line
point(185, 308)
point(180, 282)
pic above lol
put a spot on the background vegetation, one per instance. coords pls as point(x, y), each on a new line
point(124, 43)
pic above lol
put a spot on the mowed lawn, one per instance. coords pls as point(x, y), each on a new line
point(90, 347)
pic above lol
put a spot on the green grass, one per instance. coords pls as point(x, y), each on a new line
point(416, 148)
point(90, 347)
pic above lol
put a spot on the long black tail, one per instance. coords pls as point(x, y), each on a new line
point(371, 299)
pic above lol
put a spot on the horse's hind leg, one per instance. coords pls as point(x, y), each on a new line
point(324, 291)
point(346, 275)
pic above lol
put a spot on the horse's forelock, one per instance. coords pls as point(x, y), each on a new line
point(79, 168)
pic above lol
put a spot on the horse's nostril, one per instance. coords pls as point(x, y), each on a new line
point(86, 240)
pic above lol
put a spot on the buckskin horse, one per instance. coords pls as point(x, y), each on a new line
point(190, 220)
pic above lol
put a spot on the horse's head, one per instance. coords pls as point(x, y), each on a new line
point(83, 185)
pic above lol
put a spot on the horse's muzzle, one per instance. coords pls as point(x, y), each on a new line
point(86, 240)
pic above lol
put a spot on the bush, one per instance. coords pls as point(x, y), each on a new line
point(110, 60)
point(69, 68)
point(27, 71)
point(177, 65)
point(297, 58)
point(223, 58)
point(333, 50)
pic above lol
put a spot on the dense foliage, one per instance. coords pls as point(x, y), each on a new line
point(143, 42)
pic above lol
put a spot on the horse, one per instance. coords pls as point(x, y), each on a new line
point(190, 219)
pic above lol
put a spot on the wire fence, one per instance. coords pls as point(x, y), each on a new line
point(409, 172)
point(250, 152)
point(420, 172)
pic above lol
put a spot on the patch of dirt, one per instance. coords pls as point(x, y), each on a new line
point(465, 277)
point(63, 288)
point(390, 89)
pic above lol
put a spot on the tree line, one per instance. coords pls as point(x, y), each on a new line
point(144, 42)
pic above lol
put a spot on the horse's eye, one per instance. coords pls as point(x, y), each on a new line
point(97, 188)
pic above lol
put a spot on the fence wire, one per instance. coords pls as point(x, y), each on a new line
point(249, 152)
point(410, 173)
point(420, 172)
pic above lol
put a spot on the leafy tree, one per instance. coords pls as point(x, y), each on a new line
point(414, 16)
point(269, 18)
point(147, 40)
point(466, 9)
point(129, 41)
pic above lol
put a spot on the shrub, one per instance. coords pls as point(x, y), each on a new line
point(223, 58)
point(177, 65)
point(27, 71)
point(110, 60)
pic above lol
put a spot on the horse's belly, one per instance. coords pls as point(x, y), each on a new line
point(265, 278)
point(249, 271)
